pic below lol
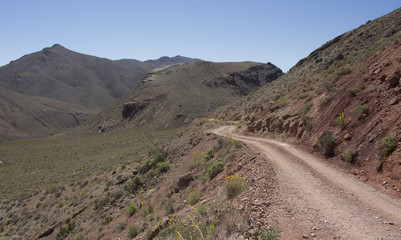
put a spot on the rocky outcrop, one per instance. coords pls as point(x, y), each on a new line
point(183, 182)
point(247, 81)
point(132, 108)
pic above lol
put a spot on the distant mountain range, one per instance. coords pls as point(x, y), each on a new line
point(56, 88)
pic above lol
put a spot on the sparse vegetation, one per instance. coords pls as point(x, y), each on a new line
point(386, 146)
point(100, 203)
point(234, 184)
point(361, 109)
point(340, 121)
point(134, 185)
point(353, 91)
point(212, 169)
point(304, 110)
point(169, 207)
point(132, 232)
point(131, 209)
point(327, 144)
point(269, 234)
point(65, 231)
point(347, 153)
point(282, 102)
point(199, 227)
point(194, 197)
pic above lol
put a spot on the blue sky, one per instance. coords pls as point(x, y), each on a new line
point(281, 32)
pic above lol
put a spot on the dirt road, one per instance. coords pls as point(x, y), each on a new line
point(314, 194)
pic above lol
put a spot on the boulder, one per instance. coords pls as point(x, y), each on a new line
point(183, 182)
point(394, 80)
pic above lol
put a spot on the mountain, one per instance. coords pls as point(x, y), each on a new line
point(162, 61)
point(71, 87)
point(75, 78)
point(177, 94)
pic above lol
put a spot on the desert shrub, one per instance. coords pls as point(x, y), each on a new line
point(64, 231)
point(162, 167)
point(132, 232)
point(276, 96)
point(119, 227)
point(304, 110)
point(282, 102)
point(106, 219)
point(210, 154)
point(196, 227)
point(234, 185)
point(353, 91)
point(134, 185)
point(386, 146)
point(328, 86)
point(79, 236)
point(343, 71)
point(269, 234)
point(232, 142)
point(131, 209)
point(169, 207)
point(148, 234)
point(146, 166)
point(193, 197)
point(147, 210)
point(340, 121)
point(347, 153)
point(100, 203)
point(202, 209)
point(214, 168)
point(361, 109)
point(327, 144)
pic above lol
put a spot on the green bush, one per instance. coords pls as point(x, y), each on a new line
point(214, 168)
point(340, 121)
point(194, 197)
point(327, 144)
point(162, 167)
point(269, 234)
point(131, 209)
point(210, 154)
point(282, 102)
point(361, 109)
point(132, 232)
point(386, 146)
point(276, 96)
point(234, 185)
point(134, 185)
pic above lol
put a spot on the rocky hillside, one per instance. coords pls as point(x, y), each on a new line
point(342, 101)
point(148, 162)
point(176, 95)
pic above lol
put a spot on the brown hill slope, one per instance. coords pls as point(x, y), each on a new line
point(348, 88)
point(61, 74)
point(175, 95)
point(23, 116)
